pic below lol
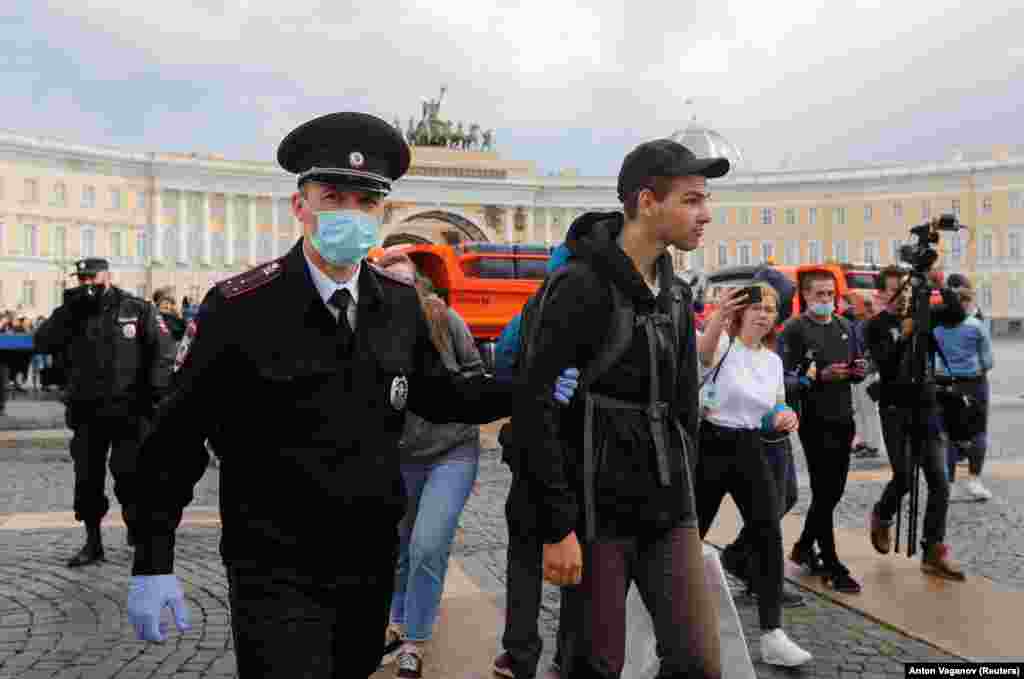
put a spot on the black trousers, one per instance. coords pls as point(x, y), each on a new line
point(95, 434)
point(524, 590)
point(289, 624)
point(826, 445)
point(732, 461)
point(896, 425)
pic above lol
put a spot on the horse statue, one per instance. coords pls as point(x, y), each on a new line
point(422, 134)
point(410, 133)
point(488, 142)
point(472, 138)
point(455, 139)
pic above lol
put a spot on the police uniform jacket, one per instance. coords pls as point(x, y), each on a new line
point(307, 434)
point(120, 355)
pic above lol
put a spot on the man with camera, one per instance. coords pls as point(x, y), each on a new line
point(889, 337)
point(121, 354)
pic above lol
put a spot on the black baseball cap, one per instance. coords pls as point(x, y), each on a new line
point(665, 158)
point(90, 266)
point(957, 280)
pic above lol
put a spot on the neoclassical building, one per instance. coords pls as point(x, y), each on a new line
point(191, 220)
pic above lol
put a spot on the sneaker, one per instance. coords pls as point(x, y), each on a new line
point(958, 491)
point(880, 532)
point(976, 490)
point(503, 666)
point(393, 639)
point(792, 598)
point(410, 665)
point(806, 557)
point(936, 561)
point(839, 580)
point(778, 649)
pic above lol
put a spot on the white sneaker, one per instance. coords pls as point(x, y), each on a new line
point(778, 649)
point(958, 491)
point(976, 490)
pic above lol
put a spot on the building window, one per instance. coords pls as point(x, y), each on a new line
point(30, 246)
point(871, 254)
point(745, 215)
point(88, 241)
point(985, 247)
point(812, 215)
point(839, 215)
point(897, 209)
point(31, 191)
point(956, 207)
point(697, 259)
point(58, 293)
point(986, 204)
point(767, 251)
point(141, 245)
point(986, 296)
point(868, 213)
point(140, 200)
point(60, 242)
point(956, 247)
point(840, 251)
point(60, 195)
point(814, 252)
point(89, 196)
point(790, 215)
point(115, 245)
point(792, 253)
point(1015, 296)
point(722, 215)
point(767, 215)
point(1016, 200)
point(115, 199)
point(926, 209)
point(743, 254)
point(894, 249)
point(28, 293)
point(723, 254)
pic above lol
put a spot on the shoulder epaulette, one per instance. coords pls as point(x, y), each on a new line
point(250, 280)
point(390, 276)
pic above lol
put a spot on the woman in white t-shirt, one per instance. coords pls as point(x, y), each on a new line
point(744, 399)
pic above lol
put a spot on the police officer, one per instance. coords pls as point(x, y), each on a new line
point(121, 354)
point(306, 415)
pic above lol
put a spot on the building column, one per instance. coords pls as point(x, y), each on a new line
point(156, 245)
point(545, 215)
point(510, 217)
point(229, 231)
point(529, 224)
point(207, 257)
point(183, 227)
point(251, 230)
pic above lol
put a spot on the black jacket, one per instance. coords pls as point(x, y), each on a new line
point(120, 354)
point(888, 346)
point(571, 329)
point(175, 324)
point(307, 436)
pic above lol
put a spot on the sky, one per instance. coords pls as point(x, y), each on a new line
point(797, 83)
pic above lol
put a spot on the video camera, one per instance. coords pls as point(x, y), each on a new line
point(922, 255)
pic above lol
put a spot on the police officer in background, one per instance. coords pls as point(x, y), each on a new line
point(307, 414)
point(120, 355)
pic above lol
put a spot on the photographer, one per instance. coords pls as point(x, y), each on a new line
point(121, 355)
point(888, 337)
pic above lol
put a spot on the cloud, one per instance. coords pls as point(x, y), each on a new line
point(819, 81)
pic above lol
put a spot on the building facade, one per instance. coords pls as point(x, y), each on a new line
point(188, 221)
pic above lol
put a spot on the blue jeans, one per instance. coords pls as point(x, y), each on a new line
point(437, 495)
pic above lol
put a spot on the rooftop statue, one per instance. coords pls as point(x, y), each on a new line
point(432, 130)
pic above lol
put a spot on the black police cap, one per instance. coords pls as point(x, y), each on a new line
point(352, 150)
point(664, 158)
point(90, 266)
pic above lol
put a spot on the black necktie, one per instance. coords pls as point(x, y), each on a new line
point(340, 301)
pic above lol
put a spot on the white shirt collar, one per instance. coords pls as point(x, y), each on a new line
point(327, 287)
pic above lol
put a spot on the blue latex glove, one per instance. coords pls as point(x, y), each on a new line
point(146, 600)
point(566, 384)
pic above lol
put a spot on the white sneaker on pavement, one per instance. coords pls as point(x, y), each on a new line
point(778, 649)
point(958, 491)
point(976, 490)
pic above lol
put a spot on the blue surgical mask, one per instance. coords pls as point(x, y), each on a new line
point(823, 308)
point(345, 236)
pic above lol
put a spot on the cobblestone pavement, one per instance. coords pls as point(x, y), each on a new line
point(60, 623)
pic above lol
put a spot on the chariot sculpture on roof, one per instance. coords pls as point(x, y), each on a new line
point(432, 130)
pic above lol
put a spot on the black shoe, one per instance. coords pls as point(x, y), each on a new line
point(839, 580)
point(791, 599)
point(90, 553)
point(806, 557)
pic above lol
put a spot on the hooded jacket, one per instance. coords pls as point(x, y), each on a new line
point(571, 330)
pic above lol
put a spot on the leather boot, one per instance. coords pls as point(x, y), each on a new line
point(881, 534)
point(92, 552)
point(936, 561)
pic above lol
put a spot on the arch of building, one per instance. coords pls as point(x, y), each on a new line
point(430, 226)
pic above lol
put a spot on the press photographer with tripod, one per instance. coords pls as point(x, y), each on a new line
point(902, 344)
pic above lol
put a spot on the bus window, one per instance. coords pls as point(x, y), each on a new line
point(490, 267)
point(861, 280)
point(532, 269)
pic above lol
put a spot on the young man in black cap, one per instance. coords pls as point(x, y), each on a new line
point(121, 354)
point(306, 417)
point(614, 471)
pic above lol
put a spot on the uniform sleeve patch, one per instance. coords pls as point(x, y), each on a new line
point(185, 344)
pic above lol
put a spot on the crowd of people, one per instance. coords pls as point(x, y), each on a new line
point(361, 407)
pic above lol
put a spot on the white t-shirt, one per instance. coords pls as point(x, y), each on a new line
point(749, 385)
